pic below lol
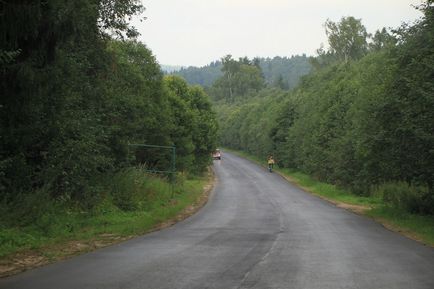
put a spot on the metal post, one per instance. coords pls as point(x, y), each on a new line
point(173, 173)
point(174, 159)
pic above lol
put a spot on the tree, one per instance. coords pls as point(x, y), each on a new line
point(229, 69)
point(413, 89)
point(280, 83)
point(239, 78)
point(358, 124)
point(347, 38)
point(382, 39)
point(291, 69)
point(50, 90)
point(73, 97)
point(323, 59)
point(195, 127)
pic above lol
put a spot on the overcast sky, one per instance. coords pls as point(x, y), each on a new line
point(196, 32)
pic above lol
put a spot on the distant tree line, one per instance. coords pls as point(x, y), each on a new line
point(363, 119)
point(76, 89)
point(283, 72)
point(204, 76)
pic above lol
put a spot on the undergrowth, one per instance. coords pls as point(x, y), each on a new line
point(130, 202)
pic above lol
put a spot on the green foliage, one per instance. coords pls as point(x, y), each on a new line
point(413, 225)
point(195, 130)
point(136, 107)
point(416, 226)
point(204, 76)
point(348, 41)
point(355, 124)
point(406, 197)
point(115, 14)
point(8, 56)
point(413, 138)
point(133, 203)
point(243, 78)
point(129, 190)
point(382, 39)
point(285, 72)
point(73, 98)
point(50, 94)
point(281, 72)
point(239, 78)
point(248, 125)
point(347, 38)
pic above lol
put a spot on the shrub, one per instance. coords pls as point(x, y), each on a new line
point(134, 189)
point(407, 197)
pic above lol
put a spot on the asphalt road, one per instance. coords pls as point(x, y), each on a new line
point(257, 231)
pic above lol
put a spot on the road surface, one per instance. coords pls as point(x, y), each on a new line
point(257, 231)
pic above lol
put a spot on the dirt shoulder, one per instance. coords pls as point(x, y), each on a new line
point(363, 210)
point(358, 209)
point(30, 259)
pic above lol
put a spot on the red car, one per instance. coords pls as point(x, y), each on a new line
point(217, 155)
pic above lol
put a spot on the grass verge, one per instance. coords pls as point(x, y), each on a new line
point(416, 227)
point(135, 203)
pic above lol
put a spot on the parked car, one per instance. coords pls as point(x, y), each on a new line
point(217, 155)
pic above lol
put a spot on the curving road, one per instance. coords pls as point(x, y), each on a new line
point(257, 231)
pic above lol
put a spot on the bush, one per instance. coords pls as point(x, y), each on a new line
point(407, 197)
point(27, 208)
point(126, 187)
point(134, 189)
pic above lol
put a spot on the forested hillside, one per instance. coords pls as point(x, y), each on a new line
point(283, 72)
point(363, 119)
point(76, 89)
point(204, 76)
point(170, 68)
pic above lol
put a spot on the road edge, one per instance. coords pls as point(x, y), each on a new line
point(31, 259)
point(356, 209)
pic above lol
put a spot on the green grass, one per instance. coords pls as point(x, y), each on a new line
point(415, 226)
point(133, 204)
point(418, 227)
point(328, 191)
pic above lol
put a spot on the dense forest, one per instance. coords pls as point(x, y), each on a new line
point(204, 76)
point(283, 72)
point(76, 89)
point(363, 119)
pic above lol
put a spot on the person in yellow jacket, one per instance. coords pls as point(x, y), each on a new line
point(270, 162)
